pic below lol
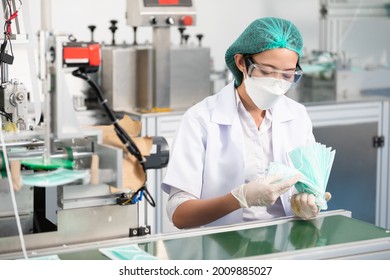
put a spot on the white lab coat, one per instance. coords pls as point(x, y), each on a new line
point(207, 156)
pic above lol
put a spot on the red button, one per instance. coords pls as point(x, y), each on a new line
point(186, 20)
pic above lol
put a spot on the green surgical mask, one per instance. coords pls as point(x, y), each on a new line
point(314, 163)
point(127, 252)
point(55, 178)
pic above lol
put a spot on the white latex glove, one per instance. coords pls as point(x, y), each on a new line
point(304, 205)
point(262, 192)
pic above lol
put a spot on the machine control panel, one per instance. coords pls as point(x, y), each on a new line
point(160, 13)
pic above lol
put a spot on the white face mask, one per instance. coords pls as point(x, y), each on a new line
point(265, 91)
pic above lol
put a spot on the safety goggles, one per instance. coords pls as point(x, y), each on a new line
point(258, 70)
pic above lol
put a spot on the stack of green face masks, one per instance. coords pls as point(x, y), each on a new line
point(314, 163)
point(55, 178)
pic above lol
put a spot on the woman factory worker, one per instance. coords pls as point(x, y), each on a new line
point(217, 169)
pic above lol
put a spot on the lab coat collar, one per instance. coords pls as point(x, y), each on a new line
point(226, 107)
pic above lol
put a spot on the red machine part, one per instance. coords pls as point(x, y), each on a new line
point(168, 2)
point(82, 54)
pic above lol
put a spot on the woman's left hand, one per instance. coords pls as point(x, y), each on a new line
point(304, 205)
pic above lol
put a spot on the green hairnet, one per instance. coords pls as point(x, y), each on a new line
point(261, 35)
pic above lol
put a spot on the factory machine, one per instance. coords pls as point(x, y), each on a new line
point(157, 76)
point(74, 166)
point(156, 81)
point(64, 181)
point(352, 59)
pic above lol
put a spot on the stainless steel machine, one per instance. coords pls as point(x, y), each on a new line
point(352, 59)
point(143, 77)
point(65, 179)
point(60, 182)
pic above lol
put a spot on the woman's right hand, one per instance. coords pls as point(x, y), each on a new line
point(263, 192)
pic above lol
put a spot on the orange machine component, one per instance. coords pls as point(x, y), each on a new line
point(168, 2)
point(81, 54)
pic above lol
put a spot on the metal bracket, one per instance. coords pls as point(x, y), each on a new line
point(140, 231)
point(378, 141)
